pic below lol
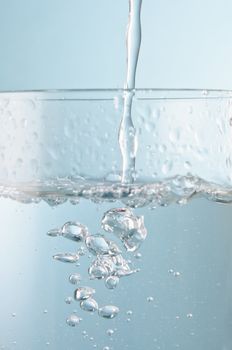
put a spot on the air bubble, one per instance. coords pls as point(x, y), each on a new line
point(54, 232)
point(69, 300)
point(74, 231)
point(75, 278)
point(150, 299)
point(66, 257)
point(99, 245)
point(108, 311)
point(73, 320)
point(176, 274)
point(83, 293)
point(89, 305)
point(112, 282)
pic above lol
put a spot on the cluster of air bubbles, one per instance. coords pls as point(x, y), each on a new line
point(126, 226)
point(107, 261)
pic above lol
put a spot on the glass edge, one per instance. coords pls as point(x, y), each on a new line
point(140, 93)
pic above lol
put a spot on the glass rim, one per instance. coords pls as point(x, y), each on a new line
point(111, 93)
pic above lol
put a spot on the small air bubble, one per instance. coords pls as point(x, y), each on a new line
point(176, 274)
point(189, 315)
point(75, 278)
point(138, 255)
point(68, 300)
point(150, 299)
point(66, 257)
point(73, 320)
point(112, 282)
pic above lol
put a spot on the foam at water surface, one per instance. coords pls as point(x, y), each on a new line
point(178, 189)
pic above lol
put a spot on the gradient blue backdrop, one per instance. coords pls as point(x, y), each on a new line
point(80, 43)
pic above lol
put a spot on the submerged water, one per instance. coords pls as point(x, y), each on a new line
point(178, 296)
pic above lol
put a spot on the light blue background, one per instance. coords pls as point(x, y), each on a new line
point(81, 43)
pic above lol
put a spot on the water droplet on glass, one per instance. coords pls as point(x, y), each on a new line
point(75, 278)
point(13, 314)
point(45, 311)
point(112, 282)
point(126, 226)
point(73, 320)
point(106, 348)
point(108, 311)
point(89, 305)
point(187, 165)
point(167, 167)
point(74, 231)
point(205, 92)
point(174, 135)
point(83, 293)
point(66, 257)
point(189, 315)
